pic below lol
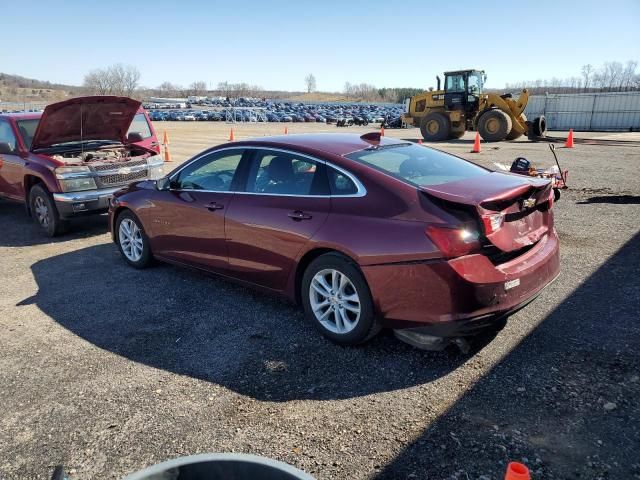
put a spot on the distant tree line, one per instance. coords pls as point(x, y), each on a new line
point(610, 77)
point(116, 79)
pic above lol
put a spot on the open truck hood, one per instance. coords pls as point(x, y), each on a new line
point(522, 204)
point(85, 118)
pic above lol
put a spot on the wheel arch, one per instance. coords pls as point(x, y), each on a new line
point(306, 260)
point(28, 182)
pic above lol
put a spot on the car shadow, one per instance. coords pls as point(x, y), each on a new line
point(20, 230)
point(616, 199)
point(190, 323)
point(564, 401)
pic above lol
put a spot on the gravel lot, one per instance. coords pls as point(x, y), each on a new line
point(108, 369)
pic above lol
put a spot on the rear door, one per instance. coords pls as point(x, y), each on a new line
point(11, 164)
point(188, 221)
point(286, 201)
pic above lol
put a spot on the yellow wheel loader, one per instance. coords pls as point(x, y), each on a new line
point(462, 105)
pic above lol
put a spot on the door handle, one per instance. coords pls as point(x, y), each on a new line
point(213, 206)
point(299, 215)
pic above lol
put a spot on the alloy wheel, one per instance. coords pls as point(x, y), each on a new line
point(130, 237)
point(42, 211)
point(334, 301)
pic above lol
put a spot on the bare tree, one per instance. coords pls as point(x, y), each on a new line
point(198, 88)
point(310, 81)
point(587, 71)
point(116, 79)
point(168, 89)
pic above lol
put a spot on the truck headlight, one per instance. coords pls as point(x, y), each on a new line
point(77, 184)
point(155, 160)
point(71, 172)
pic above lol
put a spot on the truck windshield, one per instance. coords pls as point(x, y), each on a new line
point(27, 129)
point(418, 165)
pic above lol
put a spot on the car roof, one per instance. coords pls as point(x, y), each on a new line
point(334, 143)
point(22, 115)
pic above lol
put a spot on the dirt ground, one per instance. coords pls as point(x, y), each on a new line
point(108, 369)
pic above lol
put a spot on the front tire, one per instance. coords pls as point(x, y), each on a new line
point(494, 126)
point(132, 240)
point(45, 213)
point(435, 127)
point(337, 301)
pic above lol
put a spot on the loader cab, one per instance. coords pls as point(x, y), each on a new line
point(462, 89)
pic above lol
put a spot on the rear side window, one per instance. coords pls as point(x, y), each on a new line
point(418, 165)
point(280, 173)
point(340, 183)
point(140, 125)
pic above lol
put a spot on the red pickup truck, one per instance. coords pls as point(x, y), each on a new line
point(69, 160)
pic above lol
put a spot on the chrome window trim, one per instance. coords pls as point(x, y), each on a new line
point(362, 191)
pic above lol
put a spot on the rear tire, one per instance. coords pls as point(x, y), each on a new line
point(44, 212)
point(494, 126)
point(337, 301)
point(132, 240)
point(435, 127)
point(513, 134)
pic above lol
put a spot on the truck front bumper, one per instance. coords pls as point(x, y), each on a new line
point(74, 204)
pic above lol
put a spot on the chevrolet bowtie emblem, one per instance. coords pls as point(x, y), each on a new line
point(124, 171)
point(528, 203)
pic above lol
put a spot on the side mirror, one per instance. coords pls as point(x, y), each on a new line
point(134, 137)
point(6, 148)
point(163, 184)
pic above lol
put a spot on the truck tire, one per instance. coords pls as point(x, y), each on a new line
point(514, 134)
point(494, 126)
point(435, 127)
point(45, 213)
point(539, 126)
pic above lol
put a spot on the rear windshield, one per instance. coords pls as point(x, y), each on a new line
point(27, 129)
point(418, 165)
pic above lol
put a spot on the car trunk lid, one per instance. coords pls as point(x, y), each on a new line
point(85, 118)
point(513, 211)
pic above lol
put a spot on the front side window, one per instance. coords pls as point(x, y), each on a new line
point(6, 136)
point(140, 125)
point(27, 129)
point(455, 84)
point(286, 174)
point(475, 83)
point(214, 172)
point(418, 165)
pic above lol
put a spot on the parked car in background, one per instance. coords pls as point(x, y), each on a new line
point(69, 160)
point(363, 231)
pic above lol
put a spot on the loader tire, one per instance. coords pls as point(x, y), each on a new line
point(539, 126)
point(513, 134)
point(494, 126)
point(435, 127)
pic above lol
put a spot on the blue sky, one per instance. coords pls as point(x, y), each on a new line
point(274, 44)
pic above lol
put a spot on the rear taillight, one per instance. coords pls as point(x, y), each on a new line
point(454, 242)
point(492, 222)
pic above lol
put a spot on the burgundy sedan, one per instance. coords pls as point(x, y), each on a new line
point(363, 231)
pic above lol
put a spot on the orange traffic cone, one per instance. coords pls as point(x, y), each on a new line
point(165, 143)
point(517, 471)
point(382, 131)
point(569, 143)
point(231, 136)
point(286, 130)
point(476, 144)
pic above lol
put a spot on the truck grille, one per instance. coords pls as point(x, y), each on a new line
point(116, 166)
point(117, 178)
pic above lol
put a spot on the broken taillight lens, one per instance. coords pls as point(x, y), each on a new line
point(454, 242)
point(492, 222)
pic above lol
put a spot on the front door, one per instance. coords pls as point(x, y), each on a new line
point(285, 203)
point(187, 221)
point(11, 164)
